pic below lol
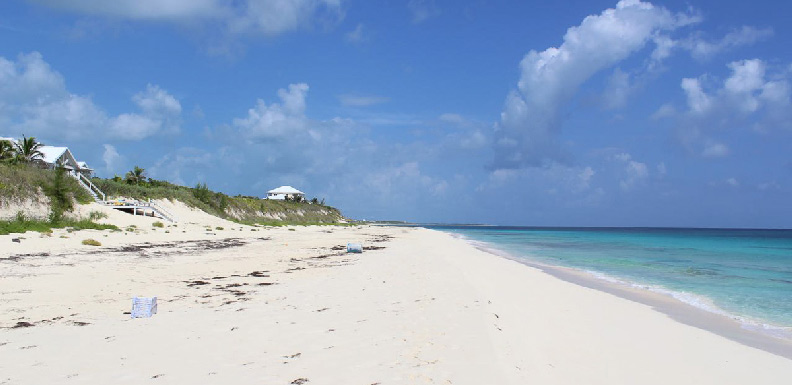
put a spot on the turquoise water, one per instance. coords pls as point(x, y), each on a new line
point(746, 274)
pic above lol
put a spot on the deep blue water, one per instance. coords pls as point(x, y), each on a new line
point(746, 274)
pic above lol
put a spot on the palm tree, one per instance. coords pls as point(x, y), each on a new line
point(28, 149)
point(6, 150)
point(136, 176)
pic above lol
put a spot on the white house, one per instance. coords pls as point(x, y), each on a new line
point(282, 192)
point(55, 156)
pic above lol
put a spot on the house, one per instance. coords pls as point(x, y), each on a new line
point(62, 156)
point(85, 170)
point(283, 192)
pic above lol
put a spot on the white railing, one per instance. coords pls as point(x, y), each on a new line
point(90, 186)
point(163, 213)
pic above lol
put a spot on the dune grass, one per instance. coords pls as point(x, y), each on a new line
point(21, 224)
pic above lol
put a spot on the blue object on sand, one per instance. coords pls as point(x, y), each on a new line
point(144, 307)
point(354, 248)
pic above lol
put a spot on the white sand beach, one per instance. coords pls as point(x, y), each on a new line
point(287, 305)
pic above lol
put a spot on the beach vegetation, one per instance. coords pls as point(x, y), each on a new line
point(158, 224)
point(60, 196)
point(91, 242)
point(219, 228)
point(21, 224)
point(22, 181)
point(7, 151)
point(241, 209)
point(27, 150)
point(136, 176)
point(96, 215)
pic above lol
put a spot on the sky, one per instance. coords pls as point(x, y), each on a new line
point(573, 113)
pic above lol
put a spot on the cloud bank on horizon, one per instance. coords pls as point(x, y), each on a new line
point(639, 114)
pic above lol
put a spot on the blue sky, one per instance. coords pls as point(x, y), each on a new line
point(582, 113)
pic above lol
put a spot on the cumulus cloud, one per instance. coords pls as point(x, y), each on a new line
point(268, 17)
point(161, 112)
point(750, 97)
point(34, 100)
point(530, 121)
point(634, 174)
point(111, 158)
point(268, 122)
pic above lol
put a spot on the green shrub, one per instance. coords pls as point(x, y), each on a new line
point(158, 224)
point(91, 242)
point(21, 225)
point(96, 215)
point(219, 228)
point(59, 193)
point(21, 181)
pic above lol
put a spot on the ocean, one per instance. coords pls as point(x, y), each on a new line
point(743, 274)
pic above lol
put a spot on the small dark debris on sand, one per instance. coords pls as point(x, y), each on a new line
point(339, 247)
point(17, 257)
point(373, 247)
point(299, 381)
point(259, 274)
point(80, 323)
point(181, 246)
point(266, 283)
point(196, 283)
point(22, 324)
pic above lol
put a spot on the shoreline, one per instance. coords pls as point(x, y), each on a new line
point(678, 310)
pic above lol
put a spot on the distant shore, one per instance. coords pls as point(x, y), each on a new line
point(289, 305)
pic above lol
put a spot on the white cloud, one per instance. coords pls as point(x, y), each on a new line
point(278, 119)
point(698, 101)
point(111, 158)
point(732, 182)
point(422, 10)
point(350, 100)
point(272, 17)
point(634, 172)
point(747, 35)
point(751, 96)
point(34, 100)
point(665, 111)
point(268, 17)
point(161, 114)
point(531, 117)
